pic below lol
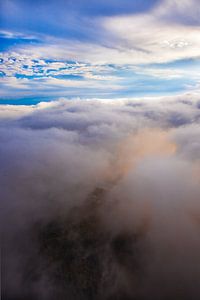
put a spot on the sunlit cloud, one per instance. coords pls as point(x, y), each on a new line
point(122, 49)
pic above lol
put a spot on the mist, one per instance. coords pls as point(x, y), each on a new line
point(100, 199)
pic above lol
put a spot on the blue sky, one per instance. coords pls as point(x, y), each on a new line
point(98, 49)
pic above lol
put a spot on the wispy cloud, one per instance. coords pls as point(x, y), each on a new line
point(126, 52)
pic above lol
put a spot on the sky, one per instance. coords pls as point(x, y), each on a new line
point(98, 49)
point(100, 149)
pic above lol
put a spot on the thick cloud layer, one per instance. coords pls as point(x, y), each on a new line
point(100, 199)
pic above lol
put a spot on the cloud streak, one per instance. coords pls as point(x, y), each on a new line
point(122, 47)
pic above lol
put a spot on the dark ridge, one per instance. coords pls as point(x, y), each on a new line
point(80, 254)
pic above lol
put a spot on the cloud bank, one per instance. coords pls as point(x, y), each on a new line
point(100, 199)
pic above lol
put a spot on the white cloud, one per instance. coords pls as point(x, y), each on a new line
point(163, 34)
point(169, 31)
point(185, 11)
point(149, 38)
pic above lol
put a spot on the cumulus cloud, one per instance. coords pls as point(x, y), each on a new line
point(100, 199)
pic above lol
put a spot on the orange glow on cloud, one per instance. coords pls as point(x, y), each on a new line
point(146, 143)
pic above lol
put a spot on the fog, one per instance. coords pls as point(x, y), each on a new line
point(100, 199)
